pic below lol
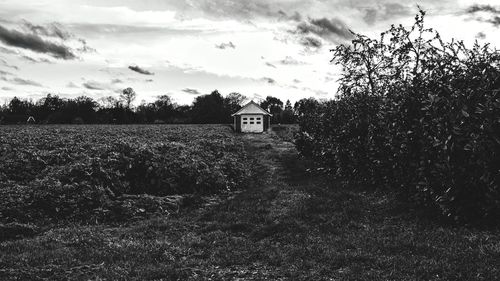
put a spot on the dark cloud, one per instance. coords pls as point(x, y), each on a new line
point(50, 30)
point(296, 81)
point(495, 21)
point(268, 80)
point(493, 11)
point(140, 70)
point(34, 43)
point(311, 42)
point(116, 81)
point(482, 8)
point(270, 65)
point(191, 91)
point(149, 80)
point(224, 46)
point(21, 81)
point(94, 85)
point(325, 28)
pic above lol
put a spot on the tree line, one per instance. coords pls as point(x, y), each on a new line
point(212, 108)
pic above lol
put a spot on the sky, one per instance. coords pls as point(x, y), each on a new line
point(186, 48)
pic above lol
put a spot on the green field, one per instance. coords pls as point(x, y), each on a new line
point(202, 203)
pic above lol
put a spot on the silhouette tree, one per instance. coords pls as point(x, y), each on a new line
point(274, 106)
point(128, 95)
point(288, 115)
point(232, 103)
point(209, 109)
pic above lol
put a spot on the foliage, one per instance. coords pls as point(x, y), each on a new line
point(82, 173)
point(416, 114)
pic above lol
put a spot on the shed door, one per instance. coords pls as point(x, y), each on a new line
point(252, 123)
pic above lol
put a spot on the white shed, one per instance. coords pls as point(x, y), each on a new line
point(252, 118)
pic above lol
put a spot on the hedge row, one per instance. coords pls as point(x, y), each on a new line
point(417, 115)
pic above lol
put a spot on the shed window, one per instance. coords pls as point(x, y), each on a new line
point(258, 122)
point(251, 122)
point(258, 118)
point(251, 118)
point(245, 122)
point(245, 118)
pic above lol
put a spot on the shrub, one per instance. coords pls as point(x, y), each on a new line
point(417, 115)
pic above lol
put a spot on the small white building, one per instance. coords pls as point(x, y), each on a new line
point(252, 118)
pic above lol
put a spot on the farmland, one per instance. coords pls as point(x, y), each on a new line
point(98, 173)
point(202, 203)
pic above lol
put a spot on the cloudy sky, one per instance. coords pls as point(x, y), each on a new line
point(185, 48)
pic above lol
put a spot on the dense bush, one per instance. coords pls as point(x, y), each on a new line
point(80, 173)
point(416, 114)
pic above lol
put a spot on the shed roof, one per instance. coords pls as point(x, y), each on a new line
point(252, 108)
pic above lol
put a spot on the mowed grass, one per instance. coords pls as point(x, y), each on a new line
point(290, 224)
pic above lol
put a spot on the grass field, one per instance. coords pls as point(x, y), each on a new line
point(288, 223)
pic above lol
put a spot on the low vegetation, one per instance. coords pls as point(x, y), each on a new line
point(92, 173)
point(291, 223)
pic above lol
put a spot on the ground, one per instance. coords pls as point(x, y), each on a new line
point(291, 224)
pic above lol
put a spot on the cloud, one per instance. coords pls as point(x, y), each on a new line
point(288, 60)
point(85, 48)
point(482, 8)
point(3, 73)
point(34, 43)
point(481, 35)
point(370, 15)
point(33, 60)
point(494, 12)
point(270, 65)
point(224, 46)
point(311, 42)
point(94, 85)
point(385, 11)
point(140, 70)
point(325, 28)
point(72, 85)
point(296, 16)
point(268, 80)
point(116, 81)
point(6, 64)
point(51, 30)
point(8, 51)
point(191, 91)
point(21, 81)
